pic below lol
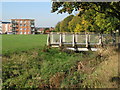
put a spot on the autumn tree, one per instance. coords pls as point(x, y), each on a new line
point(108, 8)
point(57, 27)
point(98, 17)
point(106, 24)
point(64, 24)
point(72, 24)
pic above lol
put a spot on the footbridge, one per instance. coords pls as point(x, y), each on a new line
point(78, 42)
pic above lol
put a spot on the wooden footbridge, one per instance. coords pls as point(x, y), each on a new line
point(76, 42)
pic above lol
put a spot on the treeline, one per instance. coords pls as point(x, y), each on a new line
point(89, 20)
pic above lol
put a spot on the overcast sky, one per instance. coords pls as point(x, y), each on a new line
point(40, 11)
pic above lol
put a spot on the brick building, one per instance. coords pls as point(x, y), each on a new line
point(6, 27)
point(23, 26)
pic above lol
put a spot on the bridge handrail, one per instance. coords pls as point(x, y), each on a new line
point(74, 39)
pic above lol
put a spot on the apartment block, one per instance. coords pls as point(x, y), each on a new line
point(6, 27)
point(23, 26)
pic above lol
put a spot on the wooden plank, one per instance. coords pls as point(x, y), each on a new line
point(67, 43)
point(83, 49)
point(80, 43)
point(55, 46)
point(55, 43)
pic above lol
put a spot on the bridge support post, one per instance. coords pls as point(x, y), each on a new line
point(100, 40)
point(86, 40)
point(63, 37)
point(52, 37)
point(73, 42)
point(60, 45)
point(48, 40)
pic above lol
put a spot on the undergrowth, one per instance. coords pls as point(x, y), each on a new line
point(49, 68)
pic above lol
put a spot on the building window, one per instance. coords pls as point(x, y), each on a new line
point(20, 21)
point(24, 28)
point(13, 21)
point(20, 28)
point(29, 33)
point(20, 24)
point(24, 32)
point(24, 24)
point(32, 25)
point(20, 32)
point(28, 21)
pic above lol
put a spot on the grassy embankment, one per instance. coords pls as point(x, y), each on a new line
point(52, 68)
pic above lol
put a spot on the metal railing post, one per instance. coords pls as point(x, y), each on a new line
point(86, 40)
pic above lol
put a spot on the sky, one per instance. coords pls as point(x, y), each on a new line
point(26, 0)
point(40, 11)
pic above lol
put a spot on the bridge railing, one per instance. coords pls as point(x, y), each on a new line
point(60, 39)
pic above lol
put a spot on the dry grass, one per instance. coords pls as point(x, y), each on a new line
point(56, 79)
point(105, 71)
point(108, 51)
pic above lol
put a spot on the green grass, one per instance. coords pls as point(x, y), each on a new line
point(16, 43)
point(37, 68)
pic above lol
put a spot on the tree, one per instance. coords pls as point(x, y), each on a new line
point(57, 27)
point(98, 22)
point(106, 24)
point(46, 29)
point(64, 24)
point(85, 22)
point(97, 17)
point(73, 23)
point(78, 28)
point(108, 8)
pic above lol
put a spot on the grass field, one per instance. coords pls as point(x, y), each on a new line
point(15, 43)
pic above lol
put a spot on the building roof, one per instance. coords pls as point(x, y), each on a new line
point(22, 19)
point(41, 29)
